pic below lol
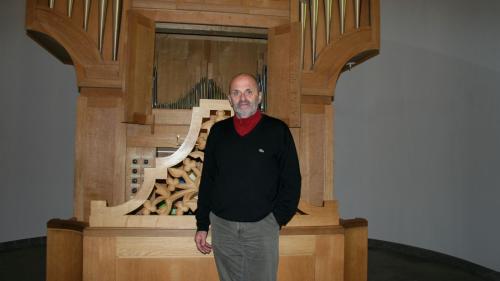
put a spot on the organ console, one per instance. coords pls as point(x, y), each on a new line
point(153, 78)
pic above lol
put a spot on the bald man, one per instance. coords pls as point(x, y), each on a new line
point(250, 187)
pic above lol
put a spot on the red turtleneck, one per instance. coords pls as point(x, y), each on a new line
point(244, 126)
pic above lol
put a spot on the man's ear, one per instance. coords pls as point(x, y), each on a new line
point(260, 97)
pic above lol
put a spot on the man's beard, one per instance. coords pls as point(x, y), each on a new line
point(248, 111)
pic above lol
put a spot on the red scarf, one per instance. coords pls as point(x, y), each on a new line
point(244, 126)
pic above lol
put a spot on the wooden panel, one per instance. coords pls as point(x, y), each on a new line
point(275, 7)
point(329, 190)
point(213, 17)
point(157, 247)
point(296, 268)
point(356, 253)
point(163, 136)
point(99, 259)
point(140, 58)
point(297, 245)
point(329, 258)
point(302, 257)
point(100, 149)
point(167, 269)
point(64, 255)
point(283, 74)
point(172, 117)
point(312, 146)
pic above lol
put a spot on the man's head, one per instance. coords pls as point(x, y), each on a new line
point(244, 95)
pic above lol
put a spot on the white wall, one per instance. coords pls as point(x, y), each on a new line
point(418, 130)
point(37, 126)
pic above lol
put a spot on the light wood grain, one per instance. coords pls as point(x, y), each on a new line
point(167, 269)
point(356, 253)
point(140, 58)
point(329, 189)
point(64, 255)
point(99, 258)
point(312, 141)
point(283, 63)
point(99, 149)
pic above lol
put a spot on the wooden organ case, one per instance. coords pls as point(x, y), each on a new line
point(153, 76)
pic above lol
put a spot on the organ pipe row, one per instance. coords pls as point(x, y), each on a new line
point(103, 6)
point(311, 8)
point(206, 89)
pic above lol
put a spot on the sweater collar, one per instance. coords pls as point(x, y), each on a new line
point(244, 126)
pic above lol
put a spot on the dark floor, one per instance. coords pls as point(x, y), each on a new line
point(25, 260)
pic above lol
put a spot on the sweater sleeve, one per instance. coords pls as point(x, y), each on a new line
point(207, 182)
point(289, 181)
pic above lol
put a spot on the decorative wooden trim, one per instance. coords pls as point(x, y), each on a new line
point(67, 224)
point(271, 8)
point(117, 215)
point(210, 17)
point(356, 222)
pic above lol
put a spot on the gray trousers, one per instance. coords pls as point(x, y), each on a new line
point(246, 251)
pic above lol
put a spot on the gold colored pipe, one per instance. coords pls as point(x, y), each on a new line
point(70, 8)
point(328, 19)
point(342, 4)
point(357, 7)
point(51, 4)
point(303, 19)
point(117, 15)
point(314, 28)
point(86, 13)
point(103, 5)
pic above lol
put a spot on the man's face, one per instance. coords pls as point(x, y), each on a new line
point(244, 96)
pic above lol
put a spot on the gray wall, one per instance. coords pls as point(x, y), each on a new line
point(37, 126)
point(417, 130)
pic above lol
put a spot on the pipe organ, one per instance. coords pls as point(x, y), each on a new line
point(153, 78)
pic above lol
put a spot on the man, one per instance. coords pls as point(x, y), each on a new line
point(250, 187)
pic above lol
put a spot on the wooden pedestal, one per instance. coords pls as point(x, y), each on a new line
point(109, 254)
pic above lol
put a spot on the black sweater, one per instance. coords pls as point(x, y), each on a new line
point(246, 177)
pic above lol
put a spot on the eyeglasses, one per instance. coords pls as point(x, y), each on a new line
point(237, 93)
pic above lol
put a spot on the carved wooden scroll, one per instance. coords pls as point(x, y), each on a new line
point(171, 187)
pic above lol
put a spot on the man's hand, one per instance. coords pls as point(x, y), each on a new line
point(200, 239)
